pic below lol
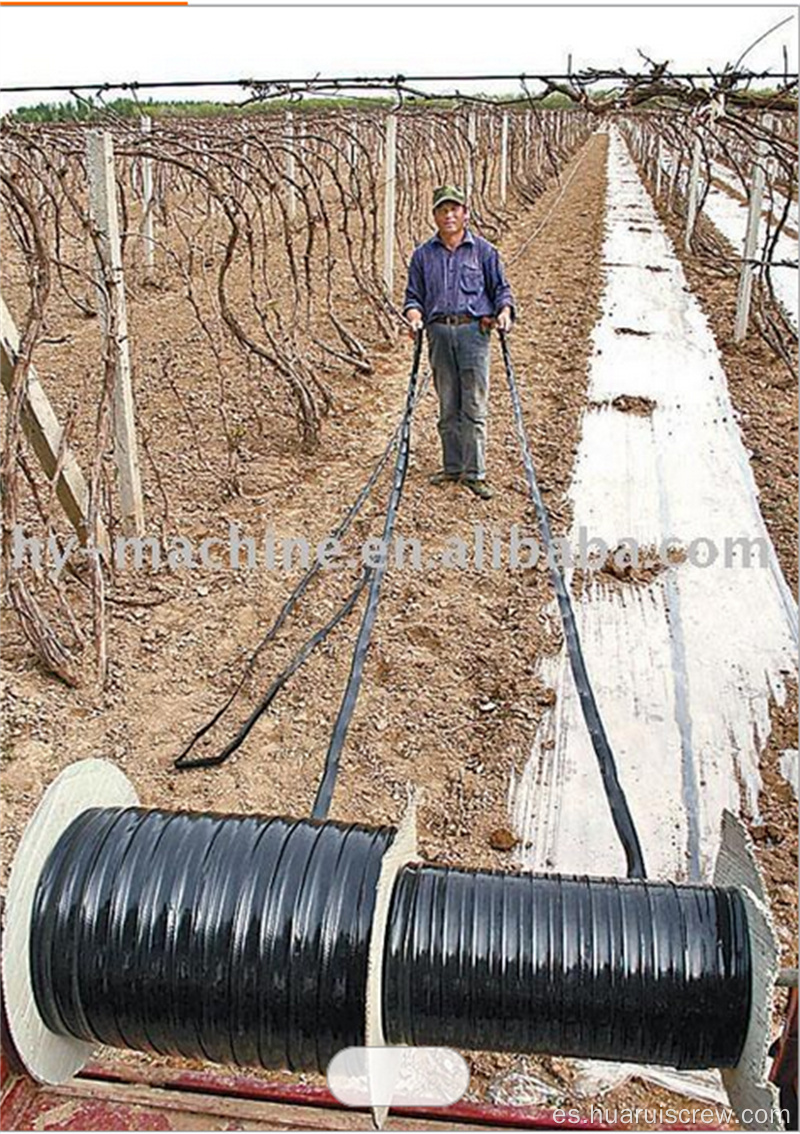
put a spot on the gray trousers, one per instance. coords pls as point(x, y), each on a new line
point(459, 358)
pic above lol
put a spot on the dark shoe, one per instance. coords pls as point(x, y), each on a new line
point(443, 477)
point(479, 487)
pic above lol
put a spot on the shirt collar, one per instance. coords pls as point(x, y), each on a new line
point(468, 239)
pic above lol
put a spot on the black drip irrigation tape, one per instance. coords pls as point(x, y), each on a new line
point(322, 802)
point(245, 940)
point(623, 970)
point(238, 939)
point(620, 812)
point(184, 760)
point(300, 657)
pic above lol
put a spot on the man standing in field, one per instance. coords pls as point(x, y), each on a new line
point(457, 290)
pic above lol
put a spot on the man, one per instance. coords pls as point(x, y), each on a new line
point(457, 290)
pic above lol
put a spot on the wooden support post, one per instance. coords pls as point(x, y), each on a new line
point(389, 200)
point(747, 270)
point(291, 199)
point(113, 312)
point(40, 426)
point(692, 194)
point(504, 158)
point(147, 199)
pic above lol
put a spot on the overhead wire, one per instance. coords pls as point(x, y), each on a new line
point(280, 85)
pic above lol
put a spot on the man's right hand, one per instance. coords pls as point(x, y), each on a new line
point(414, 320)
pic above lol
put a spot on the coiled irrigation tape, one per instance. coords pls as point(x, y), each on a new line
point(618, 804)
point(623, 970)
point(262, 942)
point(242, 940)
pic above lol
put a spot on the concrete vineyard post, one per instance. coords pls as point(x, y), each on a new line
point(675, 168)
point(113, 312)
point(659, 161)
point(301, 146)
point(692, 193)
point(147, 200)
point(504, 158)
point(513, 134)
point(353, 145)
point(747, 270)
point(472, 133)
point(390, 188)
point(291, 199)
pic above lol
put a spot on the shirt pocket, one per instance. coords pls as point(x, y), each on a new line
point(471, 279)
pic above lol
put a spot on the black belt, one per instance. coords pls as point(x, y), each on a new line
point(453, 320)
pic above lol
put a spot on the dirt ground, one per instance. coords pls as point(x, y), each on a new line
point(449, 701)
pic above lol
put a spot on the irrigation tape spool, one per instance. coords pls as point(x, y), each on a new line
point(238, 939)
point(251, 940)
point(646, 972)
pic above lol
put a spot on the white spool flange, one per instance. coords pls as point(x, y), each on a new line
point(749, 1090)
point(49, 1058)
point(402, 852)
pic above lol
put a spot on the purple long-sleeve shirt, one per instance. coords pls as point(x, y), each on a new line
point(469, 280)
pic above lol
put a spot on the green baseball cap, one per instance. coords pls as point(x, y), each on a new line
point(449, 193)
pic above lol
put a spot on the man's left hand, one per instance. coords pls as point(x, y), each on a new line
point(504, 320)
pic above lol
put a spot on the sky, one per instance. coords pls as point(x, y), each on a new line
point(94, 44)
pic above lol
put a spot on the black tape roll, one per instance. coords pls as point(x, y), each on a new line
point(623, 970)
point(238, 939)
